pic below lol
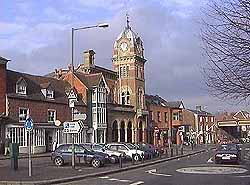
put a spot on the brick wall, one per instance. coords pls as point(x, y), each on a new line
point(188, 118)
point(39, 110)
point(2, 87)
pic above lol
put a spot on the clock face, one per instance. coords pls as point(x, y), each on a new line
point(124, 46)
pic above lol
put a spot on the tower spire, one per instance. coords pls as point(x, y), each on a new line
point(127, 17)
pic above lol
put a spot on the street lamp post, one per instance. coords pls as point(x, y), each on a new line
point(103, 25)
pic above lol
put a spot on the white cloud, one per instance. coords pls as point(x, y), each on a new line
point(107, 4)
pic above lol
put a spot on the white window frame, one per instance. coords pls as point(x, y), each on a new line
point(49, 111)
point(201, 119)
point(21, 87)
point(212, 119)
point(49, 94)
point(27, 114)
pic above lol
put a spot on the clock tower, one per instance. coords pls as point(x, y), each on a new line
point(128, 61)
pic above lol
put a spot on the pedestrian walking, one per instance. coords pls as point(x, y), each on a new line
point(7, 145)
point(54, 146)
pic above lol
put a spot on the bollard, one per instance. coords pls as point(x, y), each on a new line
point(120, 161)
point(171, 152)
point(133, 162)
point(192, 146)
point(151, 156)
point(142, 158)
point(181, 150)
point(166, 152)
point(177, 151)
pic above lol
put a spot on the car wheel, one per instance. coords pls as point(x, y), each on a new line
point(58, 161)
point(113, 159)
point(136, 157)
point(96, 163)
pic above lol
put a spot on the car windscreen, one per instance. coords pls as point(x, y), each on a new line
point(227, 147)
point(130, 146)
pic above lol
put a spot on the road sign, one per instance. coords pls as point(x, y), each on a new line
point(57, 123)
point(72, 127)
point(80, 116)
point(72, 102)
point(72, 94)
point(28, 125)
point(181, 128)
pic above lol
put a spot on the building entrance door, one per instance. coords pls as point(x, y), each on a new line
point(49, 140)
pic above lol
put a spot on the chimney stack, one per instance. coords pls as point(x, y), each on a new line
point(198, 107)
point(89, 58)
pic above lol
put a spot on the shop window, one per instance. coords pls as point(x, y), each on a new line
point(23, 113)
point(51, 115)
point(17, 135)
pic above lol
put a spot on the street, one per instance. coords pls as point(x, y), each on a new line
point(198, 169)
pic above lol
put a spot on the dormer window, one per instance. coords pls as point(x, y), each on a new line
point(50, 94)
point(47, 90)
point(21, 87)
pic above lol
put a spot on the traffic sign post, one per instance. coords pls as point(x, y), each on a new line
point(29, 127)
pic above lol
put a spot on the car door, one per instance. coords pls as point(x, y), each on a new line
point(67, 153)
point(80, 153)
point(112, 147)
point(122, 148)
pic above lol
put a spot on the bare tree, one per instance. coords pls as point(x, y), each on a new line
point(226, 38)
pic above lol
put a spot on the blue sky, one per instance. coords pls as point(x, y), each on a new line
point(35, 35)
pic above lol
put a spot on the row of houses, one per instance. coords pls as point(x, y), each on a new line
point(115, 102)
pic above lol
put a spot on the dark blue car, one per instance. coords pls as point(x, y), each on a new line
point(63, 154)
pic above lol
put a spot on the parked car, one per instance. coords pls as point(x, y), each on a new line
point(100, 148)
point(63, 154)
point(129, 149)
point(150, 150)
point(228, 153)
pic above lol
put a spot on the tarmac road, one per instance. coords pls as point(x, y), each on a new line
point(193, 170)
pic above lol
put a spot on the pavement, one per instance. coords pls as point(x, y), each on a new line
point(45, 172)
point(198, 169)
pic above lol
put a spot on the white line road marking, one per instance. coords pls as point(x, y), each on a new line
point(113, 179)
point(212, 170)
point(210, 160)
point(247, 149)
point(137, 183)
point(153, 172)
point(124, 180)
point(243, 176)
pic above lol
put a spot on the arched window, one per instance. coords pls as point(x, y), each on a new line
point(125, 98)
point(140, 98)
point(128, 98)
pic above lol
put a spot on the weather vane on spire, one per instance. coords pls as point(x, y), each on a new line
point(127, 17)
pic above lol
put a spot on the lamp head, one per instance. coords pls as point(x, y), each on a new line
point(103, 25)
